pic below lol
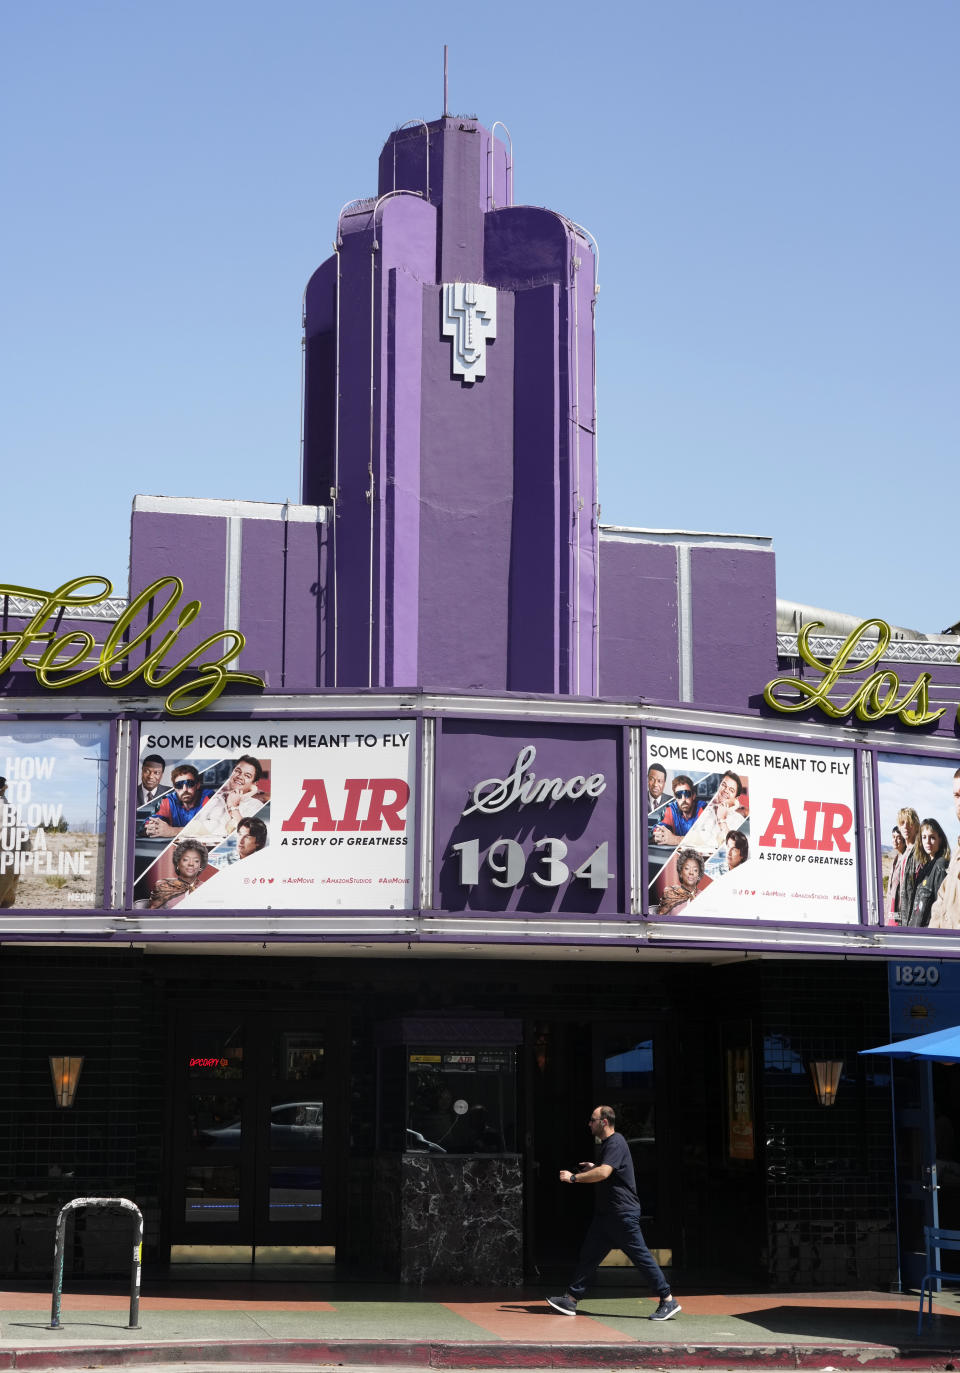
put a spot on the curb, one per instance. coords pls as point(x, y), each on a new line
point(480, 1354)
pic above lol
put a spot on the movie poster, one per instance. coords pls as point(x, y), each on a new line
point(53, 806)
point(919, 802)
point(750, 831)
point(310, 814)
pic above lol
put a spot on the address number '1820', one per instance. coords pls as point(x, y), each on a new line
point(916, 975)
point(507, 861)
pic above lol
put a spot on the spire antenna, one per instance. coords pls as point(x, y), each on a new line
point(446, 101)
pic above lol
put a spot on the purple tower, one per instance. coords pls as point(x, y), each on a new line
point(448, 537)
point(450, 427)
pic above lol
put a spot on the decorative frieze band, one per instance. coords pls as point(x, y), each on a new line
point(827, 646)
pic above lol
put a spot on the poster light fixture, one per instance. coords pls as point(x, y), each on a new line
point(826, 1079)
point(65, 1072)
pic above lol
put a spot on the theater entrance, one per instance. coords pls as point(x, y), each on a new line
point(254, 1156)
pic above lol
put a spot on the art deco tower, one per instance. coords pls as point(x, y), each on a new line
point(450, 427)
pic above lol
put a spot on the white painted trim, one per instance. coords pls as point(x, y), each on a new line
point(231, 585)
point(224, 509)
point(472, 935)
point(427, 793)
point(391, 704)
point(684, 622)
point(621, 533)
point(121, 826)
point(636, 787)
point(357, 946)
point(869, 875)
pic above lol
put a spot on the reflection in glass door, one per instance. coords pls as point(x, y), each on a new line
point(291, 1149)
point(624, 1072)
point(251, 1160)
point(211, 1059)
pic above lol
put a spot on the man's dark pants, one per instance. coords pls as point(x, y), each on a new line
point(613, 1231)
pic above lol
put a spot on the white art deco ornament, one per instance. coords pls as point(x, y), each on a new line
point(469, 320)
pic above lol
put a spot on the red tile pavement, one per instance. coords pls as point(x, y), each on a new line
point(533, 1320)
point(536, 1321)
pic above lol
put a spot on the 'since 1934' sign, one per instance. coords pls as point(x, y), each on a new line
point(543, 859)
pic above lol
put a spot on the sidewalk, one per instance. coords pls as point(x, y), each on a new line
point(309, 1324)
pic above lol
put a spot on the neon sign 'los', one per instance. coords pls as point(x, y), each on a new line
point(877, 696)
point(54, 669)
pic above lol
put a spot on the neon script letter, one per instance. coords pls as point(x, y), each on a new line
point(55, 666)
point(875, 697)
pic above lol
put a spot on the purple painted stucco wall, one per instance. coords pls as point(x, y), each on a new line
point(192, 547)
point(262, 574)
point(534, 594)
point(639, 646)
point(279, 600)
point(401, 573)
point(734, 621)
point(466, 494)
point(527, 248)
point(407, 236)
point(458, 166)
point(383, 268)
point(463, 203)
point(279, 560)
point(319, 407)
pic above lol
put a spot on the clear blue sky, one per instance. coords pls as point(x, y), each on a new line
point(773, 184)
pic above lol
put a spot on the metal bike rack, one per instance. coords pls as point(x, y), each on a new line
point(104, 1204)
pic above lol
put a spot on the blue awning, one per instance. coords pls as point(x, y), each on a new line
point(943, 1046)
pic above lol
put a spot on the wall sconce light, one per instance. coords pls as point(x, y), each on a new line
point(826, 1079)
point(65, 1071)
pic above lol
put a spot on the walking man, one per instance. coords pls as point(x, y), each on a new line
point(616, 1220)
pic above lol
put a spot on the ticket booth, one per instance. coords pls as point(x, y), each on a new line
point(449, 1175)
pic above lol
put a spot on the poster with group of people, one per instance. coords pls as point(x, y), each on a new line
point(919, 801)
point(53, 808)
point(750, 830)
point(302, 815)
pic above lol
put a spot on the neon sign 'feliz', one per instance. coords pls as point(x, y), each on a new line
point(55, 669)
point(877, 696)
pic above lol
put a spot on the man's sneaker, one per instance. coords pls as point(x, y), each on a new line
point(667, 1309)
point(565, 1305)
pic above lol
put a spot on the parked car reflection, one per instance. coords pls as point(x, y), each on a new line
point(419, 1144)
point(293, 1125)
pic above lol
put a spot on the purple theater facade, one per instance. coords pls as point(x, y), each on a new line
point(526, 813)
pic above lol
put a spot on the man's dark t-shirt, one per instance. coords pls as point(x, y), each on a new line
point(617, 1194)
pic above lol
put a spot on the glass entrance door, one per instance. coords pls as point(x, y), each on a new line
point(252, 1154)
point(917, 1150)
point(624, 1073)
point(574, 1066)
